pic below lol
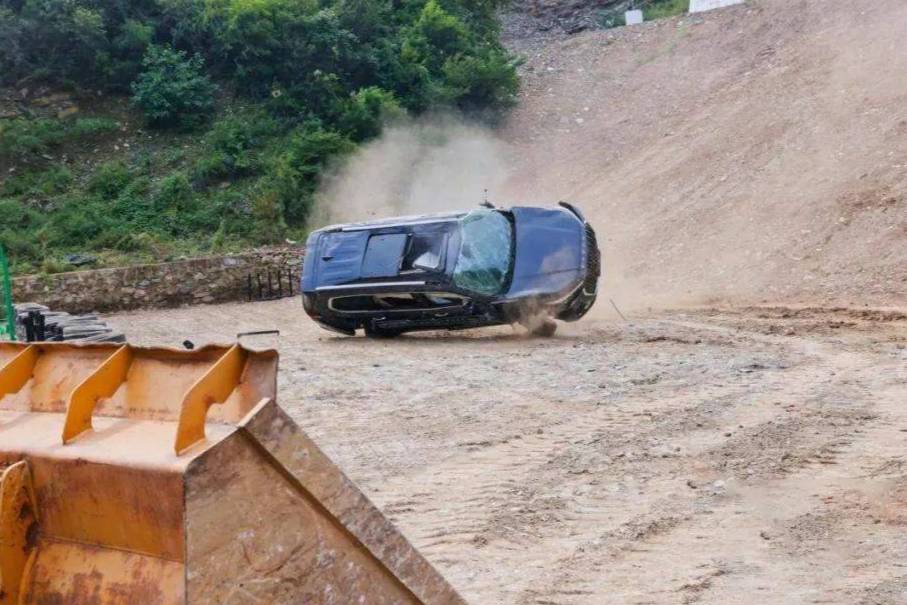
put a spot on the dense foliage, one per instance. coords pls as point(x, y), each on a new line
point(172, 89)
point(258, 97)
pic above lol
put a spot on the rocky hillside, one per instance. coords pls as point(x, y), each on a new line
point(756, 153)
point(560, 16)
point(557, 18)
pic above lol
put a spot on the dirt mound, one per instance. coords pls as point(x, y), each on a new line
point(756, 153)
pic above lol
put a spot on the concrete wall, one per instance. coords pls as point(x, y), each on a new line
point(697, 6)
point(193, 281)
point(634, 17)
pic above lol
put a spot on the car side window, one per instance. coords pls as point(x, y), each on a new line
point(424, 253)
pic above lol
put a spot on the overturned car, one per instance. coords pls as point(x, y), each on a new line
point(485, 267)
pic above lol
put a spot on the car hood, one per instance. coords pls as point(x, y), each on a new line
point(550, 253)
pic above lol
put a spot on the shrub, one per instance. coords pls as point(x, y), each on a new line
point(18, 216)
point(175, 194)
point(109, 180)
point(127, 48)
point(365, 113)
point(85, 128)
point(480, 81)
point(232, 207)
point(460, 66)
point(434, 37)
point(269, 224)
point(77, 223)
point(233, 147)
point(173, 90)
point(13, 51)
point(51, 265)
point(48, 182)
point(293, 175)
point(134, 206)
point(21, 247)
point(20, 137)
point(284, 47)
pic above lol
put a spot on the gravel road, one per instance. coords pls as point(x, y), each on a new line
point(707, 456)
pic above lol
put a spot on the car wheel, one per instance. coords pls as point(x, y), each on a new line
point(373, 331)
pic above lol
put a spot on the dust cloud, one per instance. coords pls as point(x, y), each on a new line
point(446, 163)
point(432, 164)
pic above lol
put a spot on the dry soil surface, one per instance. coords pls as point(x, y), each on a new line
point(747, 154)
point(708, 456)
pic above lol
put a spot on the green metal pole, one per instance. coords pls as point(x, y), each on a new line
point(7, 291)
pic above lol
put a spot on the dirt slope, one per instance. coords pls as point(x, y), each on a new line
point(748, 154)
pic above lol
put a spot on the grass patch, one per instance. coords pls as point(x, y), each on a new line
point(660, 9)
point(21, 138)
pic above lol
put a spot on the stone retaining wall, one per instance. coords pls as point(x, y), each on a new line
point(193, 281)
point(698, 6)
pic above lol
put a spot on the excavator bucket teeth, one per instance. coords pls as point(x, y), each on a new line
point(161, 477)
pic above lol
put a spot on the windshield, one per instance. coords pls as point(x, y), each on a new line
point(485, 252)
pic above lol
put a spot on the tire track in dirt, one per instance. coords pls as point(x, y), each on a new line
point(533, 489)
point(549, 471)
point(818, 438)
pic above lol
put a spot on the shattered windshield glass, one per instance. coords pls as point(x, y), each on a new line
point(485, 252)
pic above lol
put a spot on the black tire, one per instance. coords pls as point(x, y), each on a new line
point(373, 331)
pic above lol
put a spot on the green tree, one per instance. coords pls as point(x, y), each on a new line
point(293, 175)
point(51, 39)
point(475, 82)
point(173, 90)
point(434, 37)
point(365, 113)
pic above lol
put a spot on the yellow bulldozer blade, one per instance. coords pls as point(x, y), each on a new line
point(149, 476)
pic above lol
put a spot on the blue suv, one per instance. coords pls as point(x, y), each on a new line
point(489, 266)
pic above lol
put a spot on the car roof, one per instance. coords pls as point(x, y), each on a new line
point(433, 217)
point(397, 220)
